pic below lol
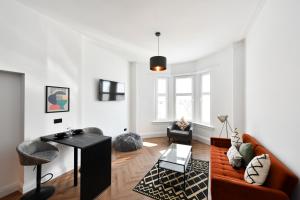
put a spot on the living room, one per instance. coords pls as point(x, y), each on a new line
point(215, 66)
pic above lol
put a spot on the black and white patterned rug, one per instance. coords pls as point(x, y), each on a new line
point(196, 183)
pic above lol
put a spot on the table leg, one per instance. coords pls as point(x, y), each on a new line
point(184, 179)
point(95, 174)
point(192, 164)
point(75, 166)
point(158, 172)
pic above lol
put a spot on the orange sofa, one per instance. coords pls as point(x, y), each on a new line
point(228, 183)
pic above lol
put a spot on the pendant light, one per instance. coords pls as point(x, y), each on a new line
point(158, 63)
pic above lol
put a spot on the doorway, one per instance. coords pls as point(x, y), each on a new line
point(11, 130)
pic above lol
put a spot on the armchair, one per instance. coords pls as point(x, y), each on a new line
point(184, 136)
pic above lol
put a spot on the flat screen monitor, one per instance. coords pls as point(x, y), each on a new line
point(111, 90)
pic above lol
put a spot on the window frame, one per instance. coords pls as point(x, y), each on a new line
point(166, 95)
point(192, 94)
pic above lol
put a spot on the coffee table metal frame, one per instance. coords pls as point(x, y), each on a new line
point(174, 164)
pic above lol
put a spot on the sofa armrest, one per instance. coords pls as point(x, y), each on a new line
point(220, 142)
point(191, 130)
point(223, 188)
point(169, 128)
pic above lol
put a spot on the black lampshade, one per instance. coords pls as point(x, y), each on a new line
point(158, 63)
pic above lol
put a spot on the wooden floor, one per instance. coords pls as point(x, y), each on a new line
point(127, 170)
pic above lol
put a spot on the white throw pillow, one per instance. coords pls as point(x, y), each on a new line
point(234, 157)
point(182, 124)
point(258, 169)
point(236, 139)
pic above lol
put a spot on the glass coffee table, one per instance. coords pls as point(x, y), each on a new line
point(176, 158)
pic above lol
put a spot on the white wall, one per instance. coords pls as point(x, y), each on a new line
point(221, 65)
point(11, 134)
point(272, 73)
point(48, 53)
point(239, 85)
point(98, 63)
point(143, 94)
point(133, 97)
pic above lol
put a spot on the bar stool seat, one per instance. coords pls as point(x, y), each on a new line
point(36, 153)
point(48, 155)
point(94, 130)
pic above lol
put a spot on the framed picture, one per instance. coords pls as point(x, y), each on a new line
point(57, 99)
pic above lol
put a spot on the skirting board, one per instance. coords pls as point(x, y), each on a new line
point(152, 134)
point(202, 139)
point(8, 189)
point(199, 138)
point(28, 186)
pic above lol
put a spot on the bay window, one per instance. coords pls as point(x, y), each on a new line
point(191, 98)
point(184, 97)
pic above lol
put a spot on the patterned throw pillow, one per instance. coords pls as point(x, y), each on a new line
point(246, 150)
point(236, 139)
point(258, 169)
point(182, 124)
point(234, 157)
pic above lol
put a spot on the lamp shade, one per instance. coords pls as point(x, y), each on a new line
point(222, 118)
point(158, 63)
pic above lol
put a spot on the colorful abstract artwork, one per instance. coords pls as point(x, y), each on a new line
point(57, 99)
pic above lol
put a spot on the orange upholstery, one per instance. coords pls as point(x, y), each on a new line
point(228, 183)
point(249, 139)
point(220, 142)
point(280, 177)
point(222, 166)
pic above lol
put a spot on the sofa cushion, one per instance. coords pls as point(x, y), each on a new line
point(182, 124)
point(220, 164)
point(234, 157)
point(258, 170)
point(188, 127)
point(180, 132)
point(246, 150)
point(236, 139)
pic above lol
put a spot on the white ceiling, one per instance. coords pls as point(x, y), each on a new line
point(190, 28)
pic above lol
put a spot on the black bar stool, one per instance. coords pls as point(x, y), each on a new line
point(37, 153)
point(94, 130)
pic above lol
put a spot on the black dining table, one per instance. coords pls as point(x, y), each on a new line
point(95, 171)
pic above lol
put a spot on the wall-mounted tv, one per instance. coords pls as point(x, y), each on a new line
point(111, 90)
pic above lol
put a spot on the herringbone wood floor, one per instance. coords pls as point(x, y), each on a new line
point(127, 170)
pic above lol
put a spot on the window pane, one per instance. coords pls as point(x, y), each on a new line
point(161, 107)
point(205, 108)
point(184, 107)
point(205, 83)
point(184, 85)
point(161, 86)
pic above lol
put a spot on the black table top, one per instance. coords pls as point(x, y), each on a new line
point(80, 141)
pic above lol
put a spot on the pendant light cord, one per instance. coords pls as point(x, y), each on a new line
point(158, 44)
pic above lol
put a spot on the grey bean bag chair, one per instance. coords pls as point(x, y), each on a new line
point(128, 142)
